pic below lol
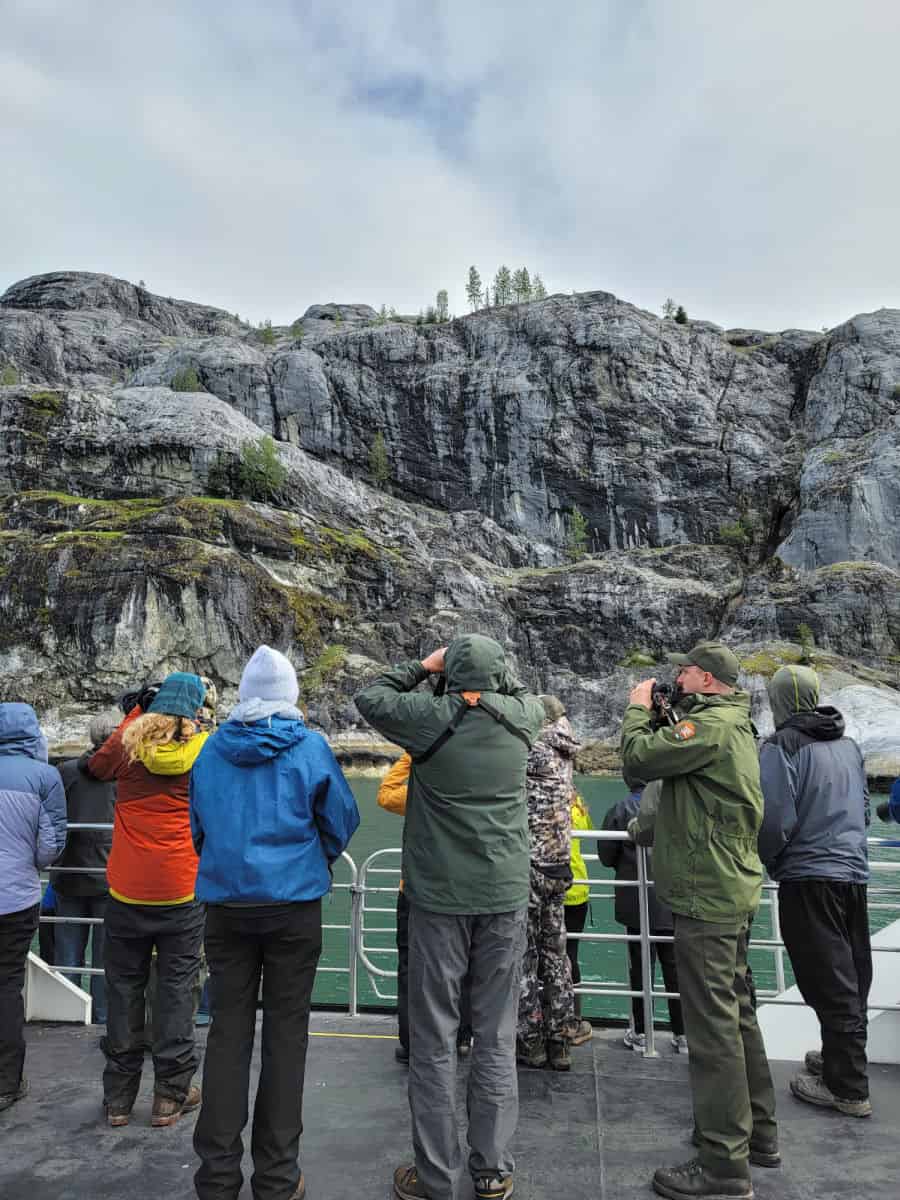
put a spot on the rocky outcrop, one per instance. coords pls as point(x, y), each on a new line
point(133, 540)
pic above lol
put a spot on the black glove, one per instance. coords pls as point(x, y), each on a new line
point(142, 696)
point(884, 811)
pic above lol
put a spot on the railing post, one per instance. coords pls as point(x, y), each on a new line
point(356, 898)
point(776, 937)
point(650, 1050)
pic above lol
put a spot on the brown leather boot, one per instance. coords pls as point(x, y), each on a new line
point(167, 1111)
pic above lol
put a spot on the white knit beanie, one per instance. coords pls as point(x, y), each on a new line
point(269, 676)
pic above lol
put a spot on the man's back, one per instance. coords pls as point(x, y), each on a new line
point(465, 841)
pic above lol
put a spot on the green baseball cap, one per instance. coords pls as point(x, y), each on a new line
point(713, 657)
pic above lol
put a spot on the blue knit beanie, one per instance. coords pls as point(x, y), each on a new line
point(181, 695)
point(269, 676)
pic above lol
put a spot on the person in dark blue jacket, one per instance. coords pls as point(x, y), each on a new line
point(32, 835)
point(890, 809)
point(270, 813)
point(813, 843)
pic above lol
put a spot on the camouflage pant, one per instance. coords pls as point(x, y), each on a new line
point(546, 999)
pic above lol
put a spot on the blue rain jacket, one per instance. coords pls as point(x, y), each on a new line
point(270, 811)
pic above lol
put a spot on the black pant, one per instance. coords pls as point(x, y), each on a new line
point(465, 1028)
point(282, 942)
point(16, 931)
point(575, 916)
point(665, 952)
point(825, 925)
point(132, 931)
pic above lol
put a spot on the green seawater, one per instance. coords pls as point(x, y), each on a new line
point(604, 963)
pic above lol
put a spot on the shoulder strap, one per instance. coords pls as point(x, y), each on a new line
point(507, 725)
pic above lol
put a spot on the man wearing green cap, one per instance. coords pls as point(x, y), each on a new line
point(707, 870)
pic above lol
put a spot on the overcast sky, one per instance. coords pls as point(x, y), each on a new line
point(740, 157)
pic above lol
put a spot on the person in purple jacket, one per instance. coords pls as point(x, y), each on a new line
point(32, 836)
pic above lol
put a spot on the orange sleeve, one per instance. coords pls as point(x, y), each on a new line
point(392, 793)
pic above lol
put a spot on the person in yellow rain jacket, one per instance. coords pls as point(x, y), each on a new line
point(392, 798)
point(576, 909)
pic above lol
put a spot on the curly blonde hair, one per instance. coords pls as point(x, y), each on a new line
point(155, 729)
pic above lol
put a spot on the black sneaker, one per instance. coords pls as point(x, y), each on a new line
point(558, 1054)
point(692, 1181)
point(531, 1054)
point(9, 1098)
point(493, 1187)
point(401, 1053)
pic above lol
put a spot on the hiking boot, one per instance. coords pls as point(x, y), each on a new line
point(300, 1190)
point(558, 1054)
point(401, 1053)
point(763, 1151)
point(812, 1090)
point(167, 1111)
point(531, 1054)
point(814, 1062)
point(635, 1041)
point(407, 1184)
point(580, 1032)
point(9, 1098)
point(692, 1180)
point(679, 1043)
point(117, 1115)
point(493, 1187)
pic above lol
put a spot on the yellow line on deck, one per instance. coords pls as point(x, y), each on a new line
point(375, 1037)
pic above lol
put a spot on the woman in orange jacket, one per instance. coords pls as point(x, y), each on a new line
point(152, 869)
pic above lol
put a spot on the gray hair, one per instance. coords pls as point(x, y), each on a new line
point(102, 726)
point(553, 707)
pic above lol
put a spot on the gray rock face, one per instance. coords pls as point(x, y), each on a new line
point(130, 543)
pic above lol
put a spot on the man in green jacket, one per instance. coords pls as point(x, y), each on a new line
point(707, 870)
point(466, 877)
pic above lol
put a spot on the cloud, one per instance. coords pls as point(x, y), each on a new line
point(740, 158)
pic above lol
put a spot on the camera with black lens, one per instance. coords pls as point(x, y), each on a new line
point(663, 699)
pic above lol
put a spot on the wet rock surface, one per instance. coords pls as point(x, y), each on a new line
point(738, 484)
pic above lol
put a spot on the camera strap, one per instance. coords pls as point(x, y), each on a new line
point(470, 700)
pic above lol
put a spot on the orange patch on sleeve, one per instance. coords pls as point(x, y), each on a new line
point(685, 730)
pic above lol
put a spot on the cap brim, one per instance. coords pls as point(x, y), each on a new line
point(679, 660)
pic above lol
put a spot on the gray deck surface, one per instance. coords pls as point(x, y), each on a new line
point(597, 1132)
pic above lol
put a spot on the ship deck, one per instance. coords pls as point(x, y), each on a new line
point(598, 1131)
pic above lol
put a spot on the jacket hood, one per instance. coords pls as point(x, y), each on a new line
point(248, 745)
point(560, 736)
point(20, 732)
point(823, 724)
point(172, 758)
point(792, 690)
point(474, 663)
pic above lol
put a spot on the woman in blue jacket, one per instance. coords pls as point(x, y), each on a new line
point(270, 812)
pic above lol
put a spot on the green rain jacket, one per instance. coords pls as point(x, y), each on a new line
point(465, 838)
point(705, 860)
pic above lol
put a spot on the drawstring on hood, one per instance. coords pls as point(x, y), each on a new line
point(793, 690)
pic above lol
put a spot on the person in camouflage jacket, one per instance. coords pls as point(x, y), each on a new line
point(546, 1003)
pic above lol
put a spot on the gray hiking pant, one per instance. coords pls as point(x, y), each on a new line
point(443, 949)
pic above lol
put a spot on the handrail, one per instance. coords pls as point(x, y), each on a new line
point(360, 953)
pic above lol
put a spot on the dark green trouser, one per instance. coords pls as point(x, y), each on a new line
point(730, 1079)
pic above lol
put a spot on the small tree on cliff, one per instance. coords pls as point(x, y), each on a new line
point(681, 317)
point(262, 474)
point(576, 535)
point(538, 291)
point(442, 305)
point(186, 380)
point(521, 285)
point(379, 467)
point(668, 309)
point(502, 286)
point(473, 288)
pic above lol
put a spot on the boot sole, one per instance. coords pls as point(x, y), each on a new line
point(674, 1194)
point(164, 1122)
point(495, 1195)
point(834, 1104)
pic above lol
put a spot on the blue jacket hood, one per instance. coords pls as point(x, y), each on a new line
point(20, 732)
point(248, 745)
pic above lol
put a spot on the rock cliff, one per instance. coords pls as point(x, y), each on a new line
point(734, 483)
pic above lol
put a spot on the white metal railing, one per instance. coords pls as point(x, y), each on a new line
point(362, 952)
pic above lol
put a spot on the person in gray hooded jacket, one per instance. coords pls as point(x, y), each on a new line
point(813, 842)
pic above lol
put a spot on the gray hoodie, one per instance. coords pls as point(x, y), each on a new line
point(814, 786)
